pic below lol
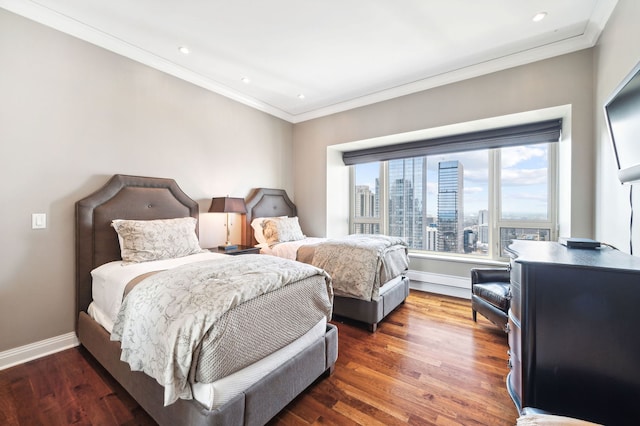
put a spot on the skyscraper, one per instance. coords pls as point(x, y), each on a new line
point(450, 207)
point(366, 205)
point(483, 226)
point(406, 214)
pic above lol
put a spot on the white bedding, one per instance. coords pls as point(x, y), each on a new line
point(163, 320)
point(288, 249)
point(109, 282)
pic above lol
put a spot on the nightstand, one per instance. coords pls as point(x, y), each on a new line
point(240, 250)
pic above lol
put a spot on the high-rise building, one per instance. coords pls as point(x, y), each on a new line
point(366, 206)
point(450, 207)
point(432, 238)
point(406, 215)
point(483, 226)
point(365, 201)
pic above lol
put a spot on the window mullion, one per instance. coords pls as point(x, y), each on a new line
point(494, 201)
point(384, 197)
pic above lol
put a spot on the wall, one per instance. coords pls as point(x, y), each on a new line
point(616, 53)
point(72, 115)
point(564, 80)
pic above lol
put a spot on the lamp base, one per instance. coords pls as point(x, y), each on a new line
point(228, 247)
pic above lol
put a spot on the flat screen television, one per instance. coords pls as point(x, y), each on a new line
point(622, 114)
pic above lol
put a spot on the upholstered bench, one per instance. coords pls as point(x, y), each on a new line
point(491, 294)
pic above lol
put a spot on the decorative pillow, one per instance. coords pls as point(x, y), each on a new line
point(282, 230)
point(145, 240)
point(258, 227)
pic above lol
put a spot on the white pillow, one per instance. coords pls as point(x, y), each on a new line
point(282, 230)
point(145, 240)
point(257, 225)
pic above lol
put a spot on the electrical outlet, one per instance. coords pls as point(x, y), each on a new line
point(38, 221)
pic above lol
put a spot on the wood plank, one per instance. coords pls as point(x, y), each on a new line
point(428, 364)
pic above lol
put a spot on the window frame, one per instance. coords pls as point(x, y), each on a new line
point(494, 205)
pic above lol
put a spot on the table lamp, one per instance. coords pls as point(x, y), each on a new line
point(227, 205)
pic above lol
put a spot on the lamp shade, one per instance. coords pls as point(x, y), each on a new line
point(227, 205)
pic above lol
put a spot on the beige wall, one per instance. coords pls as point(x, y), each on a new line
point(617, 52)
point(73, 114)
point(564, 80)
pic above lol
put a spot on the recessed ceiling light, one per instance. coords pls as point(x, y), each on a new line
point(245, 80)
point(184, 50)
point(539, 16)
point(301, 96)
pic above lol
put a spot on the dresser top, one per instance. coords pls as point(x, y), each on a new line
point(548, 252)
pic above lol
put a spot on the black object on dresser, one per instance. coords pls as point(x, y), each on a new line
point(574, 331)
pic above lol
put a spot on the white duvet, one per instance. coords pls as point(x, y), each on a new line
point(289, 249)
point(109, 282)
point(165, 317)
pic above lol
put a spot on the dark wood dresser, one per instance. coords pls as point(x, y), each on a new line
point(574, 332)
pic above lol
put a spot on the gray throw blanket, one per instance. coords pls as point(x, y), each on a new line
point(164, 318)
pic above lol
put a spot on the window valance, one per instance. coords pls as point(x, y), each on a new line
point(522, 134)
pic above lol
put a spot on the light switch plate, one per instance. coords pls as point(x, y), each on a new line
point(38, 221)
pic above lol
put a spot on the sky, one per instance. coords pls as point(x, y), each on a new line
point(524, 180)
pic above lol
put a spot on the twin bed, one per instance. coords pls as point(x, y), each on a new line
point(368, 272)
point(205, 381)
point(183, 342)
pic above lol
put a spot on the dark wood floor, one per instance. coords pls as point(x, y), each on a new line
point(428, 364)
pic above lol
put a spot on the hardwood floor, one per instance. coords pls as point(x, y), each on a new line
point(428, 364)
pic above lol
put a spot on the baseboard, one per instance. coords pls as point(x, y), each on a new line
point(35, 350)
point(440, 289)
point(448, 285)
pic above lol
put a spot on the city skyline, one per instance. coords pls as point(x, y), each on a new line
point(524, 181)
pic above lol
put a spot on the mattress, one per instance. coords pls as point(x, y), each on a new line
point(389, 285)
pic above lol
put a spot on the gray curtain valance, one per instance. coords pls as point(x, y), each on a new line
point(523, 134)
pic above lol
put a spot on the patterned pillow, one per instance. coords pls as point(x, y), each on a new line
point(146, 240)
point(258, 227)
point(282, 230)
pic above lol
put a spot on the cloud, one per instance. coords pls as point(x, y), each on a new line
point(473, 189)
point(518, 154)
point(476, 175)
point(517, 177)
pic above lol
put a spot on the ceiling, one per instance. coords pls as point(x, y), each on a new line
point(302, 59)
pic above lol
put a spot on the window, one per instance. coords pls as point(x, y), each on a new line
point(465, 203)
point(366, 201)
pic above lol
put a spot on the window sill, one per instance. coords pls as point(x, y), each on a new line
point(457, 259)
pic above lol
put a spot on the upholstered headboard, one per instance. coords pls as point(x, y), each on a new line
point(265, 202)
point(123, 197)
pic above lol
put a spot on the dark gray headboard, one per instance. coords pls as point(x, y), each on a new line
point(265, 202)
point(122, 197)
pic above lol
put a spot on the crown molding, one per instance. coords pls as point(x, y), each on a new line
point(65, 24)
